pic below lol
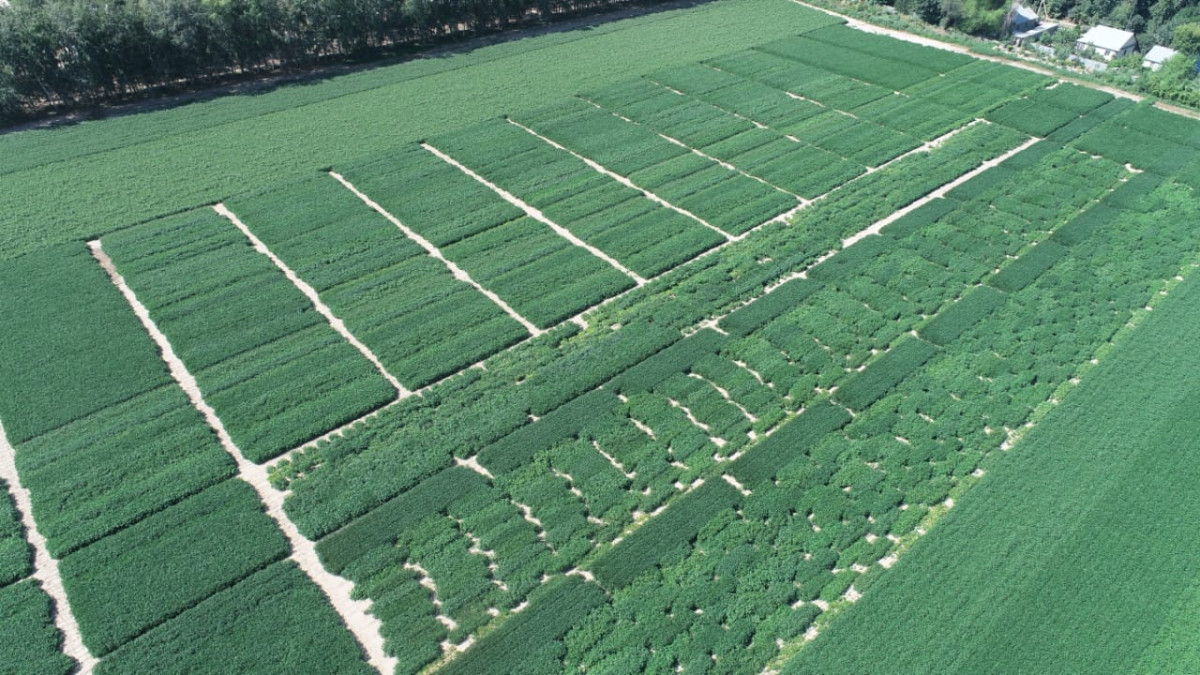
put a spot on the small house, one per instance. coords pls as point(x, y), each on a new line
point(1022, 19)
point(1107, 42)
point(1157, 56)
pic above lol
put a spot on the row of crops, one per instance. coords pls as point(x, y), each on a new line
point(167, 563)
point(594, 466)
point(605, 493)
point(717, 541)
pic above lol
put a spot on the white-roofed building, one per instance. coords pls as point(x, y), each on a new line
point(1157, 56)
point(1107, 42)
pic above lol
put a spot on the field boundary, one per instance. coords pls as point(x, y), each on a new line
point(45, 567)
point(537, 215)
point(313, 297)
point(623, 180)
point(364, 627)
point(459, 273)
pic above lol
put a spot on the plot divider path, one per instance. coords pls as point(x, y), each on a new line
point(603, 170)
point(313, 297)
point(364, 627)
point(685, 146)
point(45, 567)
point(434, 251)
point(537, 215)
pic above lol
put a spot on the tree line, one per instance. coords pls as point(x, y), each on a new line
point(72, 53)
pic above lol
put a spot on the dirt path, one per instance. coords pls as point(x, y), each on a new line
point(876, 227)
point(865, 27)
point(364, 627)
point(45, 568)
point(311, 293)
point(603, 170)
point(537, 215)
point(458, 272)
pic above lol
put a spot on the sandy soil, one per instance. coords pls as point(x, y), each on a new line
point(435, 252)
point(364, 627)
point(45, 568)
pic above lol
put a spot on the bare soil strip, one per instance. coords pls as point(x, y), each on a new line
point(364, 627)
point(782, 218)
point(537, 215)
point(311, 293)
point(875, 228)
point(699, 153)
point(45, 568)
point(434, 251)
point(601, 169)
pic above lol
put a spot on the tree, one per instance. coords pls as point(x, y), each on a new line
point(1186, 39)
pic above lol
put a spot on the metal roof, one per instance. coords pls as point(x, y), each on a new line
point(1107, 37)
point(1159, 54)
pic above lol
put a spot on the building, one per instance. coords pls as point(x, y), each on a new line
point(1157, 56)
point(1107, 42)
point(1022, 19)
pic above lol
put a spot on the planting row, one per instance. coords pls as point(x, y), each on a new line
point(130, 493)
point(270, 365)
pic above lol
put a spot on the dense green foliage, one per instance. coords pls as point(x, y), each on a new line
point(113, 455)
point(541, 275)
point(16, 555)
point(69, 53)
point(133, 580)
point(44, 300)
point(434, 326)
point(1058, 520)
point(271, 366)
point(229, 629)
point(30, 639)
point(640, 490)
point(70, 183)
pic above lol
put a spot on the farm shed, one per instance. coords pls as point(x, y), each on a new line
point(1107, 42)
point(1157, 56)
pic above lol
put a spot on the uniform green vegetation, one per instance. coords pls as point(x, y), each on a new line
point(229, 628)
point(271, 366)
point(687, 464)
point(30, 639)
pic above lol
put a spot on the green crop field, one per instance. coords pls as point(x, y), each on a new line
point(721, 339)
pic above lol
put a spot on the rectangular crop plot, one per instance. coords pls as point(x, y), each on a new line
point(107, 462)
point(133, 580)
point(276, 617)
point(883, 71)
point(728, 91)
point(640, 234)
point(868, 386)
point(405, 305)
point(722, 197)
point(544, 277)
point(800, 79)
point(274, 370)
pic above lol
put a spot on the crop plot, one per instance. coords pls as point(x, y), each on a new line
point(666, 376)
point(195, 273)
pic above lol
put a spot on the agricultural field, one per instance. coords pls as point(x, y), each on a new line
point(776, 347)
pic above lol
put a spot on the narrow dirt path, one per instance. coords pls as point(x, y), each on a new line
point(876, 227)
point(364, 627)
point(311, 293)
point(700, 153)
point(537, 215)
point(45, 568)
point(458, 272)
point(623, 180)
